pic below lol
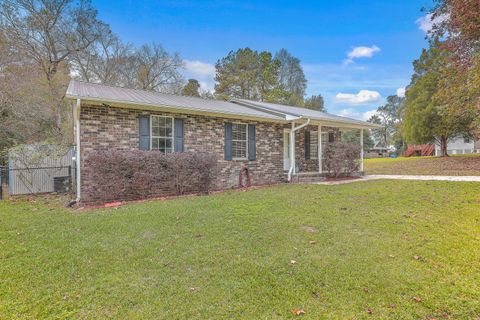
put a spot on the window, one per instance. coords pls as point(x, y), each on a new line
point(161, 134)
point(313, 144)
point(239, 141)
point(331, 137)
point(466, 140)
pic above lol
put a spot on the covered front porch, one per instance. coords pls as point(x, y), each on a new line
point(304, 145)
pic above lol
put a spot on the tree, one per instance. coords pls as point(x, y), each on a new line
point(152, 68)
point(191, 88)
point(48, 33)
point(25, 113)
point(389, 116)
point(428, 118)
point(456, 23)
point(315, 103)
point(103, 61)
point(248, 74)
point(291, 77)
point(109, 61)
point(379, 135)
point(368, 142)
point(353, 136)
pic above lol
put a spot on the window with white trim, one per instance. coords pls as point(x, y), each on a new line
point(239, 141)
point(161, 133)
point(313, 144)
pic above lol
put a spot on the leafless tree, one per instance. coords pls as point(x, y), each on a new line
point(155, 69)
point(48, 32)
point(103, 61)
point(109, 61)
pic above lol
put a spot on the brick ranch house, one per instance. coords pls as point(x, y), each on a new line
point(275, 142)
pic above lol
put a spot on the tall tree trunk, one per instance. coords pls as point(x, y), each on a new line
point(56, 98)
point(443, 146)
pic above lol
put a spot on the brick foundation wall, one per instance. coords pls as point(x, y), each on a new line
point(105, 127)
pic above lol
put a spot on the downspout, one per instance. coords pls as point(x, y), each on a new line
point(292, 147)
point(76, 117)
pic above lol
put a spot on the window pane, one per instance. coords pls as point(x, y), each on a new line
point(161, 121)
point(154, 143)
point(239, 131)
point(155, 131)
point(239, 149)
point(313, 144)
point(154, 122)
point(168, 130)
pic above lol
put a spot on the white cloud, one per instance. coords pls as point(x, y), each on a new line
point(200, 68)
point(427, 22)
point(207, 85)
point(352, 113)
point(361, 52)
point(401, 92)
point(362, 97)
point(202, 71)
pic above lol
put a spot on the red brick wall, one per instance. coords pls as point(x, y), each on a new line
point(104, 127)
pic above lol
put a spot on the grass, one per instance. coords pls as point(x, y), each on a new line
point(458, 165)
point(230, 255)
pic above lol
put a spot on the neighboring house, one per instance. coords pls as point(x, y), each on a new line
point(257, 135)
point(460, 145)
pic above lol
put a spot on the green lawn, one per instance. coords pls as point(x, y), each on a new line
point(458, 165)
point(377, 245)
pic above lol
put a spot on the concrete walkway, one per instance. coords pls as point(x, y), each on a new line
point(405, 177)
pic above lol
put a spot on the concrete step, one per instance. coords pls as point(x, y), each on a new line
point(308, 177)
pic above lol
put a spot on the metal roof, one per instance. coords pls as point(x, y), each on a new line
point(305, 113)
point(110, 94)
point(234, 107)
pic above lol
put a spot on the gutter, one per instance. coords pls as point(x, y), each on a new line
point(76, 117)
point(292, 147)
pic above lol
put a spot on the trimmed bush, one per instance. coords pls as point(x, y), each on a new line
point(135, 174)
point(341, 159)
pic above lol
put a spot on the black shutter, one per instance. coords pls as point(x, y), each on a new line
point(252, 148)
point(331, 137)
point(144, 133)
point(178, 129)
point(228, 141)
point(307, 144)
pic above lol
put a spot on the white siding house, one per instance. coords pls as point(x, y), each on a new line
point(458, 145)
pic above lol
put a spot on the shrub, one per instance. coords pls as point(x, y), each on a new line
point(135, 174)
point(341, 159)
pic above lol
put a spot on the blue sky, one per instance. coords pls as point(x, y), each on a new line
point(355, 53)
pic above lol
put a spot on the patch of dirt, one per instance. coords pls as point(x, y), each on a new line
point(309, 229)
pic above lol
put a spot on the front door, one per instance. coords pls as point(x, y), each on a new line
point(286, 151)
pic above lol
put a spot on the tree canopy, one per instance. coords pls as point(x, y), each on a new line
point(389, 116)
point(191, 88)
point(428, 117)
point(248, 74)
point(291, 77)
point(315, 102)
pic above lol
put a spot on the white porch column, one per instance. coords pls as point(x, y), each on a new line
point(361, 151)
point(292, 148)
point(320, 152)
